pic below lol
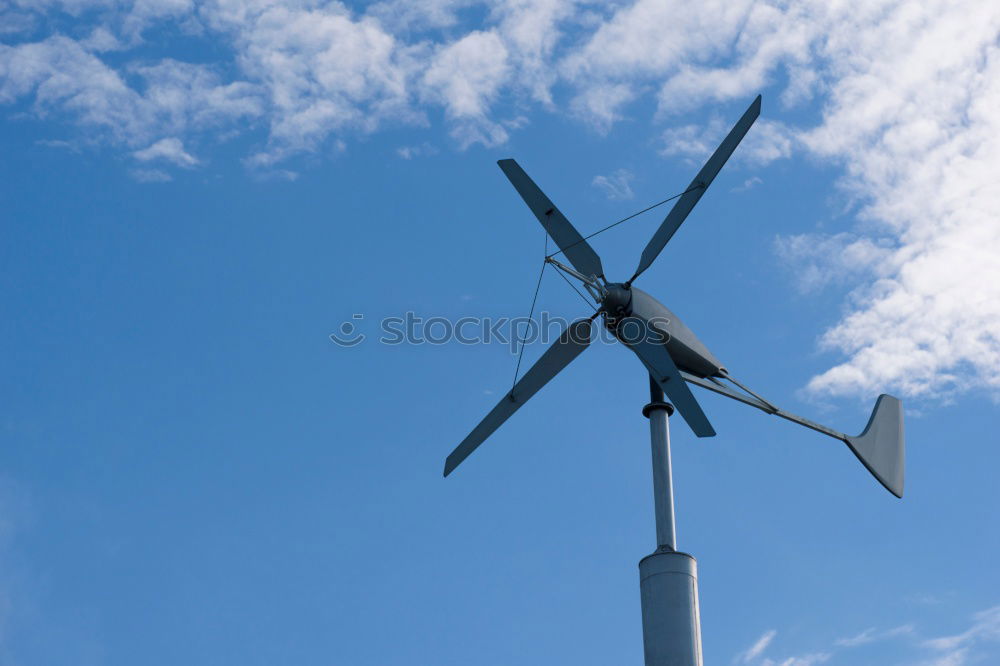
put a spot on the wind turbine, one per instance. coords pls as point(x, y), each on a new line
point(674, 357)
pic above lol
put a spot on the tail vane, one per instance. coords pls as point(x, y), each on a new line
point(880, 447)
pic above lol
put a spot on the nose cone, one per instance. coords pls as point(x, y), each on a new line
point(618, 301)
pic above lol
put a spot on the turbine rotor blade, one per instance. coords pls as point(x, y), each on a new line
point(569, 240)
point(570, 344)
point(683, 207)
point(661, 366)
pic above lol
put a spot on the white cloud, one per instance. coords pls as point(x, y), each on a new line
point(72, 7)
point(144, 13)
point(600, 104)
point(169, 150)
point(321, 70)
point(873, 635)
point(466, 76)
point(977, 644)
point(694, 141)
point(865, 637)
point(276, 175)
point(956, 650)
point(769, 35)
point(800, 660)
point(769, 141)
point(753, 181)
point(531, 31)
point(101, 39)
point(615, 185)
point(651, 38)
point(62, 75)
point(819, 260)
point(765, 143)
point(150, 175)
point(68, 80)
point(757, 649)
point(913, 118)
point(420, 150)
point(13, 22)
point(59, 143)
point(754, 654)
point(402, 16)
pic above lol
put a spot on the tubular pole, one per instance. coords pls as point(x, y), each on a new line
point(668, 580)
point(658, 412)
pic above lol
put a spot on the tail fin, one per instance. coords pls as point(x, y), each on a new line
point(880, 447)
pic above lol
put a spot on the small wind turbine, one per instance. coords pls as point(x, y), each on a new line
point(673, 355)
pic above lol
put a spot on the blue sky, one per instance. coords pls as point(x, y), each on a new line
point(196, 195)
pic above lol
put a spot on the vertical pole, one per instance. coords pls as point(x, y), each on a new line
point(658, 412)
point(668, 579)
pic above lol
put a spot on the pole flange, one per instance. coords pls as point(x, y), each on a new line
point(658, 405)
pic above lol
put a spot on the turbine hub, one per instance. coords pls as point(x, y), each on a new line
point(617, 300)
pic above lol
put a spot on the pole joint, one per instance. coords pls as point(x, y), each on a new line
point(656, 404)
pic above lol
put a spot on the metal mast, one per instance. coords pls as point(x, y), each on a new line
point(668, 579)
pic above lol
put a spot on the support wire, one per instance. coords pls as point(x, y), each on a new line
point(626, 219)
point(531, 312)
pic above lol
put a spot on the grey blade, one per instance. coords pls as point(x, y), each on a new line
point(683, 207)
point(656, 358)
point(569, 240)
point(570, 344)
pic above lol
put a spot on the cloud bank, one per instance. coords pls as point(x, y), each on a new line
point(906, 98)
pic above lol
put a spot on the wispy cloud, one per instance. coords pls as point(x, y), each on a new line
point(755, 654)
point(958, 649)
point(820, 260)
point(151, 175)
point(615, 185)
point(757, 648)
point(692, 141)
point(769, 141)
point(748, 183)
point(873, 635)
point(865, 637)
point(65, 79)
point(800, 660)
point(168, 150)
point(420, 150)
point(979, 643)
